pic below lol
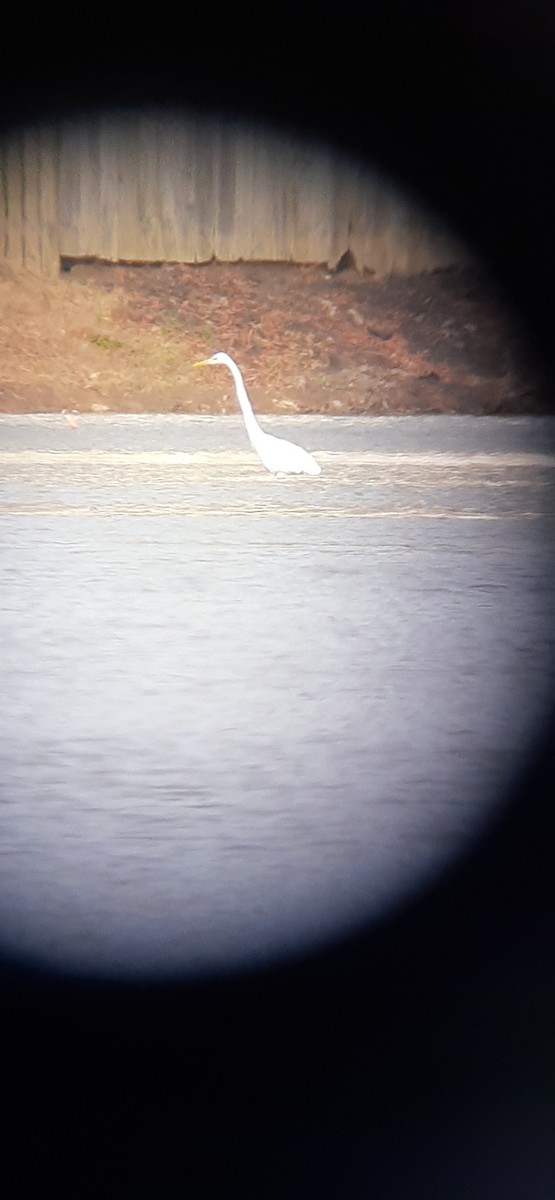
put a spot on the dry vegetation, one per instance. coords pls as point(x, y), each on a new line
point(124, 338)
point(70, 344)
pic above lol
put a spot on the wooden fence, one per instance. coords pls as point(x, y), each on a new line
point(162, 187)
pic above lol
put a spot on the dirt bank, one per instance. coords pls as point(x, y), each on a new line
point(123, 338)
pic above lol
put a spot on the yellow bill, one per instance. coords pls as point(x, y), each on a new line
point(203, 363)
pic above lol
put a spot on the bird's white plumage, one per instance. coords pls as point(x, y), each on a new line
point(277, 454)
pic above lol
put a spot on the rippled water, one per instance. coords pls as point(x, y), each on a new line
point(223, 739)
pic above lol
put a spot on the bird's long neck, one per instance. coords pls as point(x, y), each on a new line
point(251, 423)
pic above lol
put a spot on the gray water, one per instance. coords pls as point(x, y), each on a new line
point(242, 715)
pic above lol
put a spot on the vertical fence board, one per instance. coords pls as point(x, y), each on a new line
point(111, 137)
point(14, 202)
point(223, 181)
point(148, 176)
point(68, 189)
point(341, 192)
point(48, 202)
point(31, 201)
point(206, 191)
point(3, 204)
point(126, 232)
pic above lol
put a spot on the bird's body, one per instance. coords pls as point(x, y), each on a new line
point(277, 454)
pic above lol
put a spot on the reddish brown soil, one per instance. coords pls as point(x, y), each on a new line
point(124, 338)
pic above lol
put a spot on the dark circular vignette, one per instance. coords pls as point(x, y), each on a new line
point(418, 1058)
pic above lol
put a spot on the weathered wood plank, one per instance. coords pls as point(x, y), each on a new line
point(48, 202)
point(31, 201)
point(227, 165)
point(13, 190)
point(148, 187)
point(205, 196)
point(111, 139)
point(3, 204)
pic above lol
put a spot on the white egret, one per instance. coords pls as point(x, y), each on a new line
point(277, 455)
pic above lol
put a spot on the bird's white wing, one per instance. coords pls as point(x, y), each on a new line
point(278, 454)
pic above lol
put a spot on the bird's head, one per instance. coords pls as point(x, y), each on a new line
point(215, 360)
